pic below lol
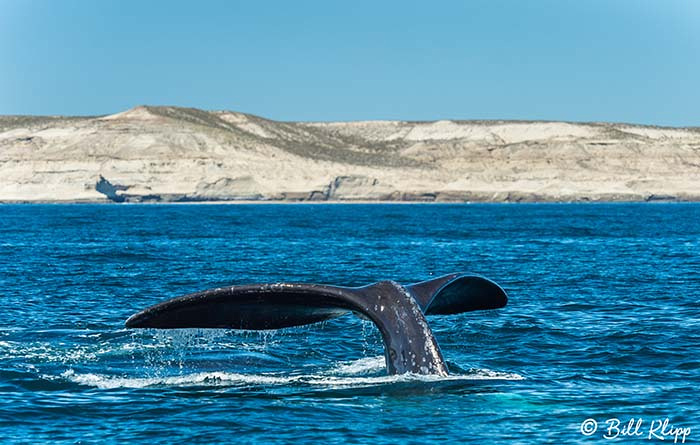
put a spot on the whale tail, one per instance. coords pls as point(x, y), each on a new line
point(397, 311)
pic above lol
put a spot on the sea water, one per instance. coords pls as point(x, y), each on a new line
point(603, 322)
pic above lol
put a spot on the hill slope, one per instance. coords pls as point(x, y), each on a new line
point(184, 154)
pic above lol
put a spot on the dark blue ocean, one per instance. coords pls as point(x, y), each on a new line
point(603, 322)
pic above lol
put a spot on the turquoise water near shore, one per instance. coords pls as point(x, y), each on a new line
point(603, 321)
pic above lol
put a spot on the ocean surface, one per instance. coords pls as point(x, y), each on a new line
point(603, 322)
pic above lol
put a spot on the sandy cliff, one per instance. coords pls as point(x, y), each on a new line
point(184, 154)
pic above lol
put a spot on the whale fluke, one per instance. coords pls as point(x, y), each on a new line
point(398, 311)
point(456, 293)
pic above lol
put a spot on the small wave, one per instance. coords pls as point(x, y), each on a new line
point(346, 382)
point(488, 374)
point(364, 365)
point(236, 379)
point(47, 352)
point(197, 379)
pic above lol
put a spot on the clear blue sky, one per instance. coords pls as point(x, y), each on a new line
point(584, 60)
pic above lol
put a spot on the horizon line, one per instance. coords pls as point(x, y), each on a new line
point(458, 120)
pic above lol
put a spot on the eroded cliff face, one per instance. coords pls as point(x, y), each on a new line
point(167, 154)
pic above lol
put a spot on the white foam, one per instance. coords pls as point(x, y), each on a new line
point(197, 379)
point(47, 353)
point(360, 366)
point(488, 374)
point(102, 381)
